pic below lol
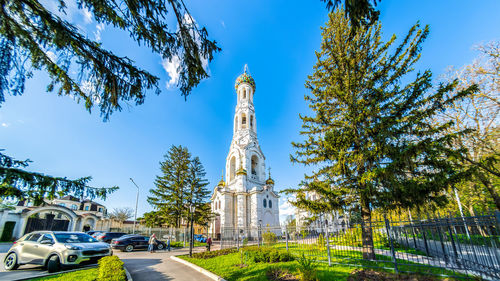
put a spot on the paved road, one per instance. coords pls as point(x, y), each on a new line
point(145, 266)
point(142, 265)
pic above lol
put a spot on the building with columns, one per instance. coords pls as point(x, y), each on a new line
point(246, 199)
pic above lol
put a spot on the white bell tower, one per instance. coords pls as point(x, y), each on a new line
point(245, 158)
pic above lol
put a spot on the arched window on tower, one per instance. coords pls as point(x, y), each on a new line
point(270, 204)
point(255, 163)
point(244, 94)
point(243, 121)
point(251, 121)
point(264, 202)
point(232, 168)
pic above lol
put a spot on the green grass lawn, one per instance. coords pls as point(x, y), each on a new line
point(80, 275)
point(227, 267)
point(179, 244)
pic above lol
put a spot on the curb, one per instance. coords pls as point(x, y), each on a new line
point(129, 277)
point(209, 274)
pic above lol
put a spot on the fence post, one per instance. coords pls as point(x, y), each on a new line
point(438, 227)
point(328, 246)
point(424, 236)
point(452, 241)
point(237, 238)
point(286, 237)
point(393, 253)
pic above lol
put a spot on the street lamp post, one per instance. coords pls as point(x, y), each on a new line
point(136, 202)
point(259, 232)
point(192, 208)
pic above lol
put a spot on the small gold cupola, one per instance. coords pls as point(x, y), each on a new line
point(222, 183)
point(270, 181)
point(240, 170)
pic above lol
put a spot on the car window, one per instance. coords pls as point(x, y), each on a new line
point(74, 238)
point(47, 237)
point(34, 237)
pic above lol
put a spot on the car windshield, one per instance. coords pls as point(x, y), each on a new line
point(74, 238)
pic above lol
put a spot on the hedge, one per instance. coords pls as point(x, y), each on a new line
point(111, 268)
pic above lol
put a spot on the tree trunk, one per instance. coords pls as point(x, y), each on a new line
point(486, 182)
point(366, 230)
point(477, 222)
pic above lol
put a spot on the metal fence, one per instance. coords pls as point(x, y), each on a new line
point(450, 246)
point(181, 234)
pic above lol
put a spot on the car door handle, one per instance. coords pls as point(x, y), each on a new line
point(36, 246)
point(22, 244)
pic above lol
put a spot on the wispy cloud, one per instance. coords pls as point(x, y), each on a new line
point(171, 67)
point(99, 29)
point(5, 125)
point(52, 56)
point(223, 24)
point(87, 16)
point(286, 209)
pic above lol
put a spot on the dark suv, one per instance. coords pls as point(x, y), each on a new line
point(108, 236)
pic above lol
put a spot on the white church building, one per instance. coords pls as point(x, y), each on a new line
point(246, 200)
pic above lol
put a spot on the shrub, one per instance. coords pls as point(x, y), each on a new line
point(177, 244)
point(307, 269)
point(245, 242)
point(285, 256)
point(269, 237)
point(266, 254)
point(321, 242)
point(213, 254)
point(274, 256)
point(111, 269)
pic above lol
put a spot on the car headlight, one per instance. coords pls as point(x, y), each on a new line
point(72, 247)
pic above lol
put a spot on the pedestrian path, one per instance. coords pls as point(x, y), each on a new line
point(158, 266)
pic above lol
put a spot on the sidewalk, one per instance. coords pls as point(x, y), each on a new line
point(145, 266)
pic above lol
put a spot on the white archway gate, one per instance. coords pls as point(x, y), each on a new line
point(50, 222)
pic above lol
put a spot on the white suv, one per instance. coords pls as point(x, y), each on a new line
point(54, 249)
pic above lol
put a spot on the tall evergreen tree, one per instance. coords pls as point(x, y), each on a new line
point(370, 137)
point(360, 12)
point(198, 193)
point(82, 68)
point(169, 196)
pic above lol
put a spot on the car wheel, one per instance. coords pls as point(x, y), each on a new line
point(10, 262)
point(160, 246)
point(54, 264)
point(129, 248)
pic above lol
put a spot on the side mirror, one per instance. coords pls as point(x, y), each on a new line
point(46, 242)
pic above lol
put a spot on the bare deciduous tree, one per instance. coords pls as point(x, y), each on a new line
point(479, 112)
point(121, 214)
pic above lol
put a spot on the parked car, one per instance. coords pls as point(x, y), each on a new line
point(55, 249)
point(108, 236)
point(91, 232)
point(128, 243)
point(200, 238)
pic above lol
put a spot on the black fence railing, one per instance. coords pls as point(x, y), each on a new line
point(449, 246)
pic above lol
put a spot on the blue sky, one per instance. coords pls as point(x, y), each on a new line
point(277, 39)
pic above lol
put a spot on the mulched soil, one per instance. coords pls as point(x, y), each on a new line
point(279, 274)
point(370, 275)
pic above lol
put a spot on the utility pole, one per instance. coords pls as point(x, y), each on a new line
point(136, 201)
